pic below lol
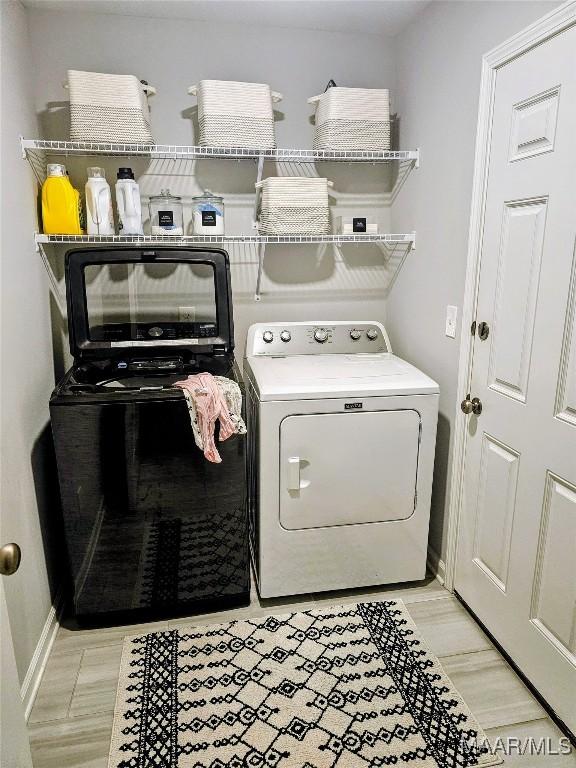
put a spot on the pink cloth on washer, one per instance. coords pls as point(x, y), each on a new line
point(210, 408)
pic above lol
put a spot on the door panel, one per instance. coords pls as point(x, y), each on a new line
point(14, 745)
point(517, 539)
point(554, 602)
point(534, 125)
point(566, 399)
point(516, 296)
point(347, 468)
point(495, 511)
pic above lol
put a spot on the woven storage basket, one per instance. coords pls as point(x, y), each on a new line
point(352, 119)
point(294, 205)
point(232, 114)
point(109, 108)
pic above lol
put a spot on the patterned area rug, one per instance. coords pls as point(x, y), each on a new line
point(344, 687)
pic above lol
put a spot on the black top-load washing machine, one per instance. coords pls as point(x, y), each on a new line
point(151, 526)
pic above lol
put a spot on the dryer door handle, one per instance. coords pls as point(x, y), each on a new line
point(294, 473)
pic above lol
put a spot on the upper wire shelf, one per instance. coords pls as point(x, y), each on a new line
point(179, 151)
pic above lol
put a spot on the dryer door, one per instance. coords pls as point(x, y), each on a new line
point(348, 468)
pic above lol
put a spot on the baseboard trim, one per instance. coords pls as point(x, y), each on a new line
point(436, 565)
point(37, 665)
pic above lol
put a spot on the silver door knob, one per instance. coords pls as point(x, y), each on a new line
point(473, 405)
point(10, 557)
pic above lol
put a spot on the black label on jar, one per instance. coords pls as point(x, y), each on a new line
point(358, 224)
point(166, 218)
point(208, 218)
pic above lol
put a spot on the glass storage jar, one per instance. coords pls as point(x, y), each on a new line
point(208, 214)
point(166, 214)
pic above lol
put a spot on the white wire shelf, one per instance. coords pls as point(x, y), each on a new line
point(184, 240)
point(179, 151)
point(50, 245)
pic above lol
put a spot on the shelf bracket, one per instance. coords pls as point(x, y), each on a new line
point(54, 285)
point(417, 161)
point(259, 174)
point(261, 252)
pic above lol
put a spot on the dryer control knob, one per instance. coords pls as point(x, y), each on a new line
point(321, 335)
point(285, 335)
point(355, 334)
point(268, 336)
point(372, 334)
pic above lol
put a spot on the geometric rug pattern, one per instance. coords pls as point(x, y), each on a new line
point(344, 687)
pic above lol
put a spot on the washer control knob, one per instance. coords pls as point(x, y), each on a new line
point(372, 334)
point(285, 335)
point(155, 331)
point(355, 334)
point(321, 335)
point(268, 336)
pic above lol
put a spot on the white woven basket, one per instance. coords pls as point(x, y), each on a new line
point(233, 114)
point(352, 119)
point(109, 108)
point(294, 205)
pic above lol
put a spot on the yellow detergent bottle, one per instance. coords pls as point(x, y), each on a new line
point(61, 204)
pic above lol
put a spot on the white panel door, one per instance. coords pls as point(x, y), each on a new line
point(348, 468)
point(516, 564)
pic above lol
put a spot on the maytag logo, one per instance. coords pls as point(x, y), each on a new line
point(352, 406)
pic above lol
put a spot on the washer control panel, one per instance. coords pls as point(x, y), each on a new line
point(317, 338)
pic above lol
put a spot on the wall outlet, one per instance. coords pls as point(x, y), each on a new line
point(187, 314)
point(451, 317)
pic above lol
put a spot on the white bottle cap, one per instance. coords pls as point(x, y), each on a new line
point(96, 173)
point(56, 169)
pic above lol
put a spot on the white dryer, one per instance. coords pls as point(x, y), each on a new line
point(341, 437)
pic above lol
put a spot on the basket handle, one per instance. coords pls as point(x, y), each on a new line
point(315, 99)
point(276, 96)
point(149, 90)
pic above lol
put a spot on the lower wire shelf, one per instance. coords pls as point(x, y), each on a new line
point(44, 242)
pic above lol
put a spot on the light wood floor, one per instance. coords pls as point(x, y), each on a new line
point(71, 720)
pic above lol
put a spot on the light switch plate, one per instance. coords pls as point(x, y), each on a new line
point(451, 317)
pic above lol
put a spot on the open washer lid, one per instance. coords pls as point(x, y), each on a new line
point(318, 376)
point(148, 301)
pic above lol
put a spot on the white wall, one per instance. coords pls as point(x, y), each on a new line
point(438, 59)
point(27, 368)
point(299, 283)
